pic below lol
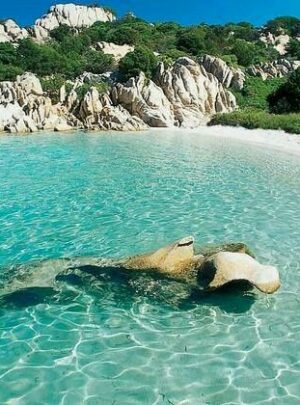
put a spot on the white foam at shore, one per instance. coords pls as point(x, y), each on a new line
point(274, 139)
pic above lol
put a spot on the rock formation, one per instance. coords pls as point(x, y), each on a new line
point(182, 95)
point(271, 70)
point(143, 98)
point(97, 112)
point(176, 261)
point(24, 108)
point(226, 267)
point(117, 51)
point(69, 14)
point(227, 75)
point(279, 42)
point(194, 93)
point(11, 32)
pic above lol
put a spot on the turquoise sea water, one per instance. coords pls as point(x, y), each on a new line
point(112, 195)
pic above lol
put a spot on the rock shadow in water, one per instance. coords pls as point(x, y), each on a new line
point(125, 287)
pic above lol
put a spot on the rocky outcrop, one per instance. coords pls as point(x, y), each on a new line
point(271, 70)
point(143, 98)
point(97, 112)
point(279, 42)
point(11, 32)
point(117, 51)
point(24, 108)
point(226, 267)
point(69, 14)
point(194, 93)
point(227, 75)
point(183, 95)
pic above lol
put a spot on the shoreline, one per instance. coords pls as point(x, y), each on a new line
point(274, 139)
point(271, 138)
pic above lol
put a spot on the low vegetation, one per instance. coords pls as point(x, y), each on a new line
point(256, 91)
point(286, 99)
point(259, 119)
point(70, 52)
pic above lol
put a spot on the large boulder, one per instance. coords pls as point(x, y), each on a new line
point(74, 16)
point(183, 95)
point(143, 98)
point(11, 32)
point(177, 260)
point(97, 112)
point(227, 75)
point(226, 267)
point(9, 114)
point(25, 108)
point(194, 93)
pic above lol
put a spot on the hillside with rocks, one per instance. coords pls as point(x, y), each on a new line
point(81, 67)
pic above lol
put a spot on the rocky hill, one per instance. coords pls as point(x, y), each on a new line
point(80, 67)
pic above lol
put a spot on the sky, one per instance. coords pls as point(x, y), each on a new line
point(187, 12)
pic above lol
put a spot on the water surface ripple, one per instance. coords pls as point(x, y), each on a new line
point(112, 195)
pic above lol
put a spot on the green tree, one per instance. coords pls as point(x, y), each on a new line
point(286, 99)
point(290, 25)
point(52, 85)
point(9, 72)
point(8, 54)
point(98, 62)
point(192, 40)
point(140, 60)
point(245, 52)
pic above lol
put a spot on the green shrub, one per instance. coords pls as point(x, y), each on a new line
point(286, 99)
point(98, 62)
point(59, 34)
point(140, 60)
point(82, 90)
point(8, 54)
point(43, 60)
point(52, 85)
point(9, 72)
point(256, 91)
point(290, 25)
point(251, 120)
point(192, 40)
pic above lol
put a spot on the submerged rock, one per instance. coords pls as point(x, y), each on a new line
point(176, 261)
point(226, 267)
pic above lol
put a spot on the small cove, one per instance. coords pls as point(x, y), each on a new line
point(113, 195)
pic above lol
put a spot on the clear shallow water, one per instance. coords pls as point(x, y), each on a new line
point(114, 195)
